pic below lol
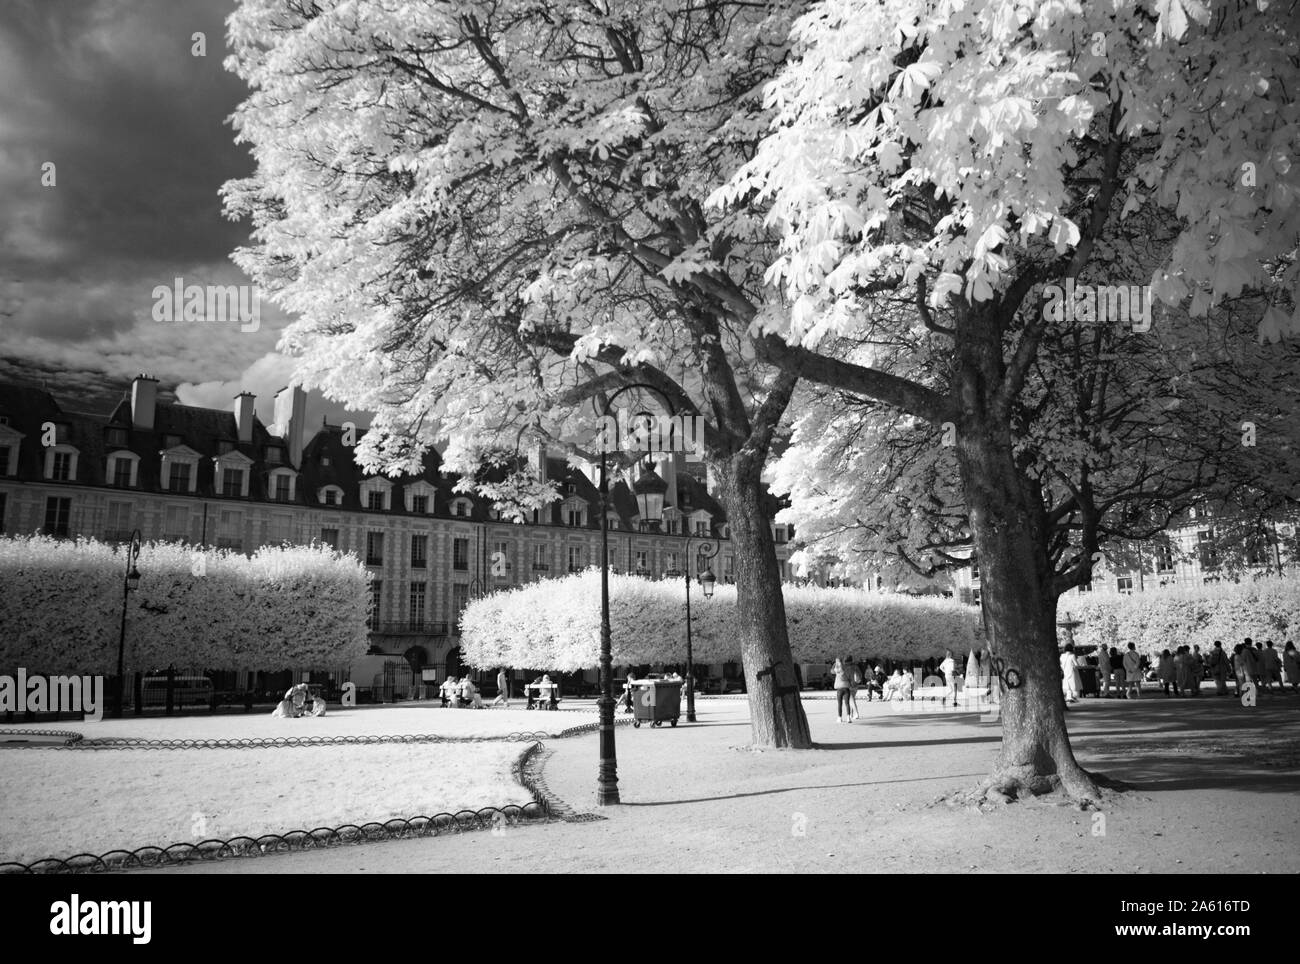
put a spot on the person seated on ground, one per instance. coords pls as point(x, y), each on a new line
point(317, 706)
point(906, 686)
point(469, 694)
point(448, 690)
point(294, 703)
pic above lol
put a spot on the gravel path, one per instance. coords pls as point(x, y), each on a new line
point(1216, 789)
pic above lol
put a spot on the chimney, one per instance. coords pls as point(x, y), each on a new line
point(537, 459)
point(290, 420)
point(144, 401)
point(244, 404)
point(668, 469)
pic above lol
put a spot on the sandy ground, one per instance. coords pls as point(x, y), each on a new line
point(56, 803)
point(1215, 790)
point(389, 720)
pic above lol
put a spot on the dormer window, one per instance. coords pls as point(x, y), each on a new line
point(123, 469)
point(330, 495)
point(9, 442)
point(61, 463)
point(232, 482)
point(231, 474)
point(701, 527)
point(462, 508)
point(282, 485)
point(180, 468)
point(574, 512)
point(376, 494)
point(325, 461)
point(419, 497)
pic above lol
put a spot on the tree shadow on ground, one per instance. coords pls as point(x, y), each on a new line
point(885, 744)
point(775, 790)
point(1153, 772)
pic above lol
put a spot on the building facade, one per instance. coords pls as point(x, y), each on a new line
point(1204, 549)
point(224, 479)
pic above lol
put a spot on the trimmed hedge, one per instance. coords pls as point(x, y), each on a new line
point(61, 606)
point(555, 624)
point(1263, 608)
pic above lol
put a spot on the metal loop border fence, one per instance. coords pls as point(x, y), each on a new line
point(526, 770)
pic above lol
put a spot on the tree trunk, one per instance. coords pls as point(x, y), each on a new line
point(1007, 524)
point(775, 709)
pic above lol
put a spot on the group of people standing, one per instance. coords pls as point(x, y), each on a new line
point(1180, 671)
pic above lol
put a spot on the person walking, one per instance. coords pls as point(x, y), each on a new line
point(503, 688)
point(1071, 682)
point(1290, 666)
point(841, 691)
point(1271, 670)
point(1103, 671)
point(1133, 673)
point(1219, 668)
point(855, 680)
point(949, 670)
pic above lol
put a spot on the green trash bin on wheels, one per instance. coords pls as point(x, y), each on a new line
point(657, 699)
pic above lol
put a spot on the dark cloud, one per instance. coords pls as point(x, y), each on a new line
point(110, 93)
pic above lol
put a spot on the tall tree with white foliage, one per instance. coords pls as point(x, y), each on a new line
point(963, 158)
point(484, 214)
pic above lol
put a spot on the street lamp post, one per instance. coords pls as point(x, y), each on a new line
point(130, 580)
point(705, 551)
point(607, 773)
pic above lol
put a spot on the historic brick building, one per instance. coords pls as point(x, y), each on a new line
point(224, 479)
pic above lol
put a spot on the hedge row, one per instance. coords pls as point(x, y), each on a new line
point(555, 624)
point(1264, 608)
point(61, 605)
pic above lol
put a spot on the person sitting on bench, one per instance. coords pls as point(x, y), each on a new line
point(549, 691)
point(875, 684)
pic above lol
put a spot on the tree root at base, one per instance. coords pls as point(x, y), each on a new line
point(1085, 791)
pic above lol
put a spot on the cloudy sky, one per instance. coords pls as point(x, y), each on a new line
point(111, 94)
